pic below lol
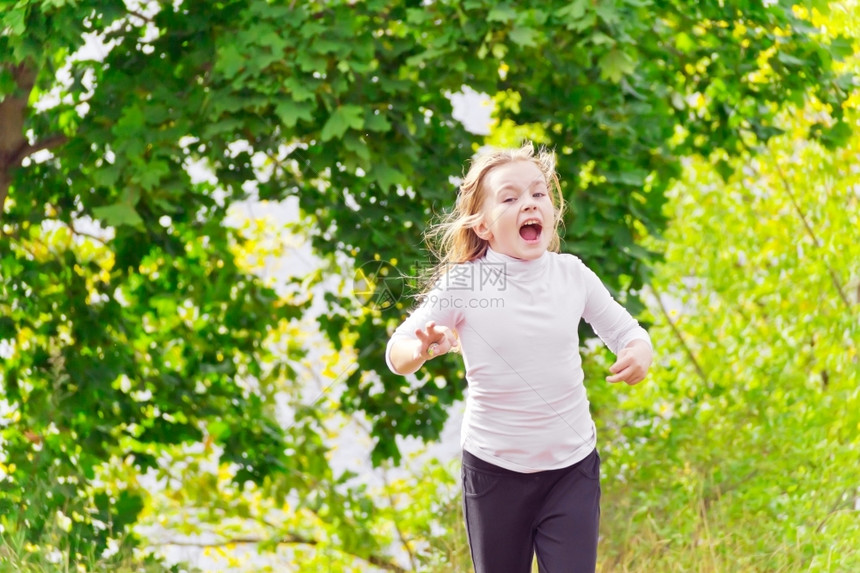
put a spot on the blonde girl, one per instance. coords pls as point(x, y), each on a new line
point(512, 303)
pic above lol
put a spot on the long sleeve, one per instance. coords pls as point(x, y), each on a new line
point(438, 305)
point(611, 321)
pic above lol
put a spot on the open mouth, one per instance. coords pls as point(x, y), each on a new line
point(531, 230)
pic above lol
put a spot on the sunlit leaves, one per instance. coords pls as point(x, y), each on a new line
point(753, 407)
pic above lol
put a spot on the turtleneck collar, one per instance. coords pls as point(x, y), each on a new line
point(515, 267)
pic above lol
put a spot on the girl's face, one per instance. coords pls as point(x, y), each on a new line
point(518, 215)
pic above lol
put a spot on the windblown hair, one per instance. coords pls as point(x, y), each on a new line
point(453, 240)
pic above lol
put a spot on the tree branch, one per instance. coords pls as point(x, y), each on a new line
point(687, 350)
point(403, 541)
point(375, 560)
point(809, 231)
point(710, 498)
point(289, 539)
point(85, 234)
point(137, 14)
point(49, 142)
point(13, 159)
point(841, 503)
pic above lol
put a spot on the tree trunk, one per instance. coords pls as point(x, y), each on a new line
point(4, 189)
point(13, 143)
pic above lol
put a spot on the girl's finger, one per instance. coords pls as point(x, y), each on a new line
point(428, 333)
point(620, 364)
point(455, 343)
point(624, 374)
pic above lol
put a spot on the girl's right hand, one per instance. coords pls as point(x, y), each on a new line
point(435, 341)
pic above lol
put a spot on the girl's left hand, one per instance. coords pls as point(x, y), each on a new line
point(632, 363)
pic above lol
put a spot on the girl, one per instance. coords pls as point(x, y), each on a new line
point(505, 294)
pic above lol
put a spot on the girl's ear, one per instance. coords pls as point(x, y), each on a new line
point(483, 230)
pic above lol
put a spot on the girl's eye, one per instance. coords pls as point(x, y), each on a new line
point(508, 200)
point(539, 194)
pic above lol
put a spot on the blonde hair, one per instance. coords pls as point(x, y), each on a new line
point(453, 240)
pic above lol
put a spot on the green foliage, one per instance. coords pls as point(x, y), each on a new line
point(741, 451)
point(134, 321)
point(50, 550)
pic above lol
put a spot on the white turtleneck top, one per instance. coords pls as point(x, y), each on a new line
point(526, 405)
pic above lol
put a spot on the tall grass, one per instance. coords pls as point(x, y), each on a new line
point(708, 536)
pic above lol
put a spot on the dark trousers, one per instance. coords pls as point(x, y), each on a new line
point(513, 516)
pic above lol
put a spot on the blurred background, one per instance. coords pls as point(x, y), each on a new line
point(212, 217)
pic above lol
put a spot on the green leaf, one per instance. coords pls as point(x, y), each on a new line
point(345, 117)
point(219, 430)
point(130, 124)
point(418, 15)
point(324, 46)
point(13, 20)
point(608, 12)
point(291, 112)
point(631, 176)
point(151, 174)
point(230, 61)
point(355, 145)
point(725, 169)
point(311, 62)
point(118, 214)
point(523, 36)
point(574, 11)
point(614, 65)
point(837, 135)
point(790, 60)
point(501, 13)
point(578, 15)
point(298, 90)
point(376, 122)
point(841, 47)
point(387, 176)
point(684, 43)
point(8, 327)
